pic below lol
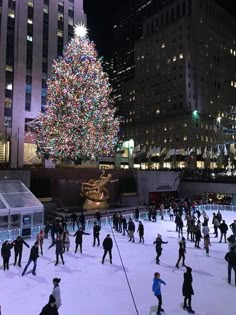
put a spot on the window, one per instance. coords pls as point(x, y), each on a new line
point(29, 38)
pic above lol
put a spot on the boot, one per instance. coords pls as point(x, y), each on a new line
point(191, 311)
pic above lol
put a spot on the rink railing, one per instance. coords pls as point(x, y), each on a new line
point(108, 220)
point(215, 207)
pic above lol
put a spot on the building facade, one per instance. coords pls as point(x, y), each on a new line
point(184, 79)
point(32, 34)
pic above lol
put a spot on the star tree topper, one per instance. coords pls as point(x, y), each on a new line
point(80, 30)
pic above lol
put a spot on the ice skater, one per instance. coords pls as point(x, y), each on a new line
point(207, 243)
point(131, 230)
point(6, 254)
point(140, 231)
point(230, 257)
point(96, 234)
point(56, 292)
point(39, 238)
point(158, 243)
point(79, 239)
point(66, 240)
point(18, 249)
point(107, 246)
point(188, 290)
point(50, 308)
point(34, 254)
point(59, 249)
point(182, 251)
point(223, 230)
point(156, 288)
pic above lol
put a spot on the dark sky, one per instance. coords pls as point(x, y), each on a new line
point(99, 18)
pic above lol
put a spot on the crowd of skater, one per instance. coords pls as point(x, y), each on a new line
point(183, 215)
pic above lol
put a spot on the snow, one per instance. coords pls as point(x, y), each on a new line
point(88, 287)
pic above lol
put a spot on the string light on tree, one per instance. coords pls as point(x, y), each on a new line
point(79, 121)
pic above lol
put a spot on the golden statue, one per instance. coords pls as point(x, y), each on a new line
point(95, 193)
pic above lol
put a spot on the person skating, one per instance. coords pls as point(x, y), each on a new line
point(182, 251)
point(34, 254)
point(59, 249)
point(131, 230)
point(47, 229)
point(188, 290)
point(18, 249)
point(136, 213)
point(75, 221)
point(233, 227)
point(39, 238)
point(107, 246)
point(66, 240)
point(124, 225)
point(56, 292)
point(6, 254)
point(50, 308)
point(198, 236)
point(156, 288)
point(158, 243)
point(79, 239)
point(216, 224)
point(230, 257)
point(98, 217)
point(223, 230)
point(82, 220)
point(96, 233)
point(140, 231)
point(207, 243)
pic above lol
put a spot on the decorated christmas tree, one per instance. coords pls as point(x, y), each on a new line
point(79, 120)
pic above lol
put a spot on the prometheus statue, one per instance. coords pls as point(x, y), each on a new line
point(96, 193)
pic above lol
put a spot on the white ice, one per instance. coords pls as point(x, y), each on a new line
point(90, 288)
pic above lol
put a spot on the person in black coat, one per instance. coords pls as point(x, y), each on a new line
point(59, 249)
point(96, 233)
point(140, 231)
point(79, 239)
point(158, 243)
point(107, 246)
point(18, 248)
point(34, 254)
point(124, 225)
point(182, 251)
point(6, 254)
point(82, 220)
point(223, 230)
point(50, 308)
point(230, 257)
point(98, 217)
point(188, 290)
point(131, 229)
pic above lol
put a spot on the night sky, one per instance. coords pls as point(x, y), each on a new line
point(99, 19)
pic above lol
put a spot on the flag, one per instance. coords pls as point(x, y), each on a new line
point(149, 154)
point(163, 151)
point(218, 151)
point(168, 155)
point(137, 148)
point(225, 150)
point(199, 151)
point(158, 150)
point(205, 153)
point(192, 150)
point(153, 153)
point(232, 148)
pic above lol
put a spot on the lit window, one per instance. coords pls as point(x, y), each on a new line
point(185, 125)
point(59, 33)
point(147, 131)
point(142, 57)
point(115, 26)
point(29, 38)
point(9, 68)
point(181, 56)
point(235, 84)
point(11, 13)
point(174, 58)
point(163, 45)
point(234, 53)
point(165, 129)
point(232, 83)
point(165, 141)
point(30, 3)
point(70, 21)
point(206, 138)
point(9, 86)
point(169, 60)
point(45, 8)
point(30, 21)
point(158, 111)
point(231, 51)
point(185, 138)
point(60, 16)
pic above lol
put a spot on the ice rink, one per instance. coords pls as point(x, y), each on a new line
point(90, 288)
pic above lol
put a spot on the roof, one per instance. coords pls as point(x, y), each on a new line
point(15, 197)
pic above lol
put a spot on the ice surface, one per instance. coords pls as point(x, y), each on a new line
point(89, 288)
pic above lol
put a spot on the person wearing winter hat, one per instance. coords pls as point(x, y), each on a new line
point(188, 290)
point(182, 251)
point(50, 308)
point(56, 291)
point(156, 288)
point(158, 243)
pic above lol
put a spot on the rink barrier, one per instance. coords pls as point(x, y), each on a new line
point(214, 207)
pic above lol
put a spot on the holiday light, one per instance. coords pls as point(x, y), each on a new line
point(79, 120)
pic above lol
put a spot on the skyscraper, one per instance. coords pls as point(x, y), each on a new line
point(32, 34)
point(183, 76)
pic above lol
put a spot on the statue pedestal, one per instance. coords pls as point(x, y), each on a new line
point(94, 205)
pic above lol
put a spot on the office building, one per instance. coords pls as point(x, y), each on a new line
point(183, 80)
point(32, 34)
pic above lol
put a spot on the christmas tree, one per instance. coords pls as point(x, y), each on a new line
point(79, 120)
